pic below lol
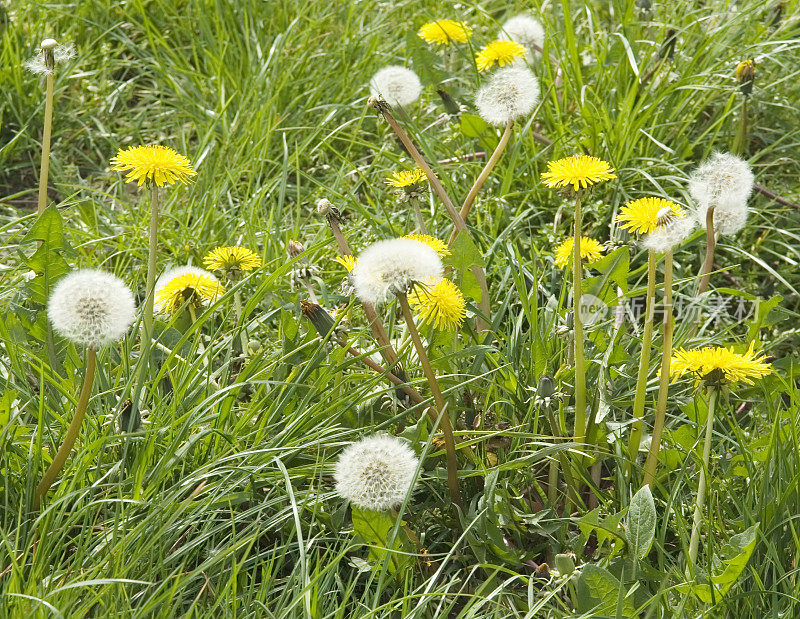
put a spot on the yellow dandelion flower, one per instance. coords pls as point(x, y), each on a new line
point(185, 285)
point(437, 245)
point(348, 262)
point(500, 52)
point(718, 365)
point(231, 259)
point(158, 164)
point(444, 32)
point(440, 304)
point(406, 178)
point(591, 251)
point(642, 215)
point(580, 171)
point(746, 70)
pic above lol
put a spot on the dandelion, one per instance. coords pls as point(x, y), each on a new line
point(591, 251)
point(403, 179)
point(642, 215)
point(389, 268)
point(397, 85)
point(186, 285)
point(669, 234)
point(439, 304)
point(444, 32)
point(719, 365)
point(376, 472)
point(232, 259)
point(500, 53)
point(93, 309)
point(50, 54)
point(348, 261)
point(746, 75)
point(579, 171)
point(509, 94)
point(525, 30)
point(156, 164)
point(437, 245)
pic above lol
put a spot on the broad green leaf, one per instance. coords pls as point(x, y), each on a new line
point(473, 126)
point(641, 522)
point(598, 592)
point(465, 253)
point(423, 60)
point(375, 529)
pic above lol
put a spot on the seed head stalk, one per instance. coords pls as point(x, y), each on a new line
point(49, 59)
point(438, 398)
point(72, 432)
point(711, 243)
point(644, 361)
point(663, 385)
point(701, 487)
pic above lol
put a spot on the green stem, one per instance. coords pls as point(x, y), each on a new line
point(237, 307)
point(644, 362)
point(72, 432)
point(423, 228)
point(740, 141)
point(663, 385)
point(48, 124)
point(711, 243)
point(438, 398)
point(701, 487)
point(580, 376)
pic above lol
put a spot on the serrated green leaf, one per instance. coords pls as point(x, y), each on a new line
point(375, 529)
point(464, 253)
point(641, 522)
point(598, 592)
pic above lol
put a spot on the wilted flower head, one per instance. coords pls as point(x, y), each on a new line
point(591, 251)
point(500, 52)
point(185, 285)
point(92, 308)
point(157, 164)
point(376, 472)
point(509, 93)
point(232, 259)
point(387, 268)
point(579, 171)
point(523, 29)
point(50, 54)
point(746, 75)
point(396, 84)
point(725, 183)
point(444, 32)
point(440, 304)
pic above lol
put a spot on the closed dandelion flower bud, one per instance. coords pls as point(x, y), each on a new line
point(746, 75)
point(525, 30)
point(185, 285)
point(294, 248)
point(509, 94)
point(92, 308)
point(376, 472)
point(725, 183)
point(388, 268)
point(397, 85)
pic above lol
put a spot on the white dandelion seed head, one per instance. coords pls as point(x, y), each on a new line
point(37, 66)
point(666, 237)
point(376, 472)
point(725, 182)
point(62, 53)
point(525, 30)
point(91, 307)
point(510, 92)
point(160, 306)
point(396, 84)
point(387, 268)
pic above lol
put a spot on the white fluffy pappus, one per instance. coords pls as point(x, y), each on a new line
point(376, 472)
point(387, 268)
point(91, 307)
point(667, 237)
point(725, 182)
point(510, 93)
point(396, 84)
point(61, 53)
point(525, 30)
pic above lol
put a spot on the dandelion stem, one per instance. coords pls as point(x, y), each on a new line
point(72, 432)
point(47, 131)
point(663, 385)
point(740, 141)
point(580, 376)
point(152, 252)
point(483, 176)
point(644, 362)
point(711, 243)
point(423, 229)
point(237, 308)
point(701, 487)
point(438, 397)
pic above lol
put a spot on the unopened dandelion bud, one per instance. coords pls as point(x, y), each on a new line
point(667, 49)
point(321, 320)
point(746, 75)
point(295, 248)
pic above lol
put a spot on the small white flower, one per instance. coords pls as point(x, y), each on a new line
point(387, 268)
point(91, 307)
point(724, 182)
point(397, 85)
point(666, 237)
point(525, 30)
point(511, 92)
point(376, 472)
